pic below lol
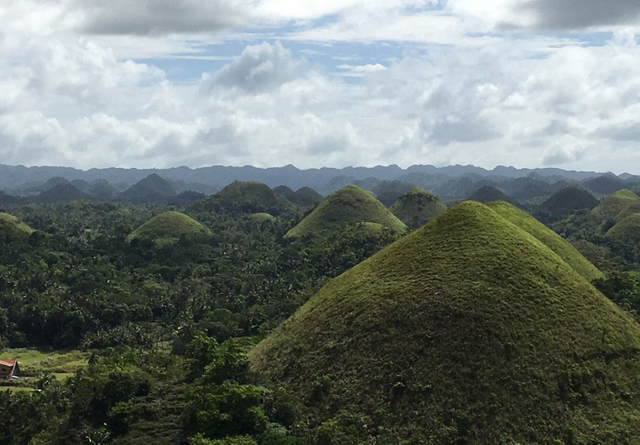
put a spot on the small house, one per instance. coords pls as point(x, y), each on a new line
point(9, 368)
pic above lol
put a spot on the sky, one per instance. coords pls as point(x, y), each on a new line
point(166, 83)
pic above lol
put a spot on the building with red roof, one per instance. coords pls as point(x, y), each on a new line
point(9, 368)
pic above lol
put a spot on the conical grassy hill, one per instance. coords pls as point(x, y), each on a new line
point(567, 200)
point(349, 205)
point(169, 227)
point(613, 205)
point(489, 193)
point(12, 227)
point(246, 198)
point(547, 237)
point(469, 330)
point(627, 230)
point(417, 207)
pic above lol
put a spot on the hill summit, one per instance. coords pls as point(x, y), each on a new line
point(151, 188)
point(169, 227)
point(417, 207)
point(246, 198)
point(468, 330)
point(349, 205)
point(611, 207)
point(64, 192)
point(489, 193)
point(567, 200)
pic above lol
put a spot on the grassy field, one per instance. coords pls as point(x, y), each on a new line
point(35, 363)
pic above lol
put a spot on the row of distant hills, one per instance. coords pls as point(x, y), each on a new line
point(182, 185)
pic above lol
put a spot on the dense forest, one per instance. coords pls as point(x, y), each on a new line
point(162, 302)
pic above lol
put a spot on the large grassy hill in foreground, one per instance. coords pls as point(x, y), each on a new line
point(349, 205)
point(169, 227)
point(469, 330)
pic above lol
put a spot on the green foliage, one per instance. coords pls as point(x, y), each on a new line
point(623, 288)
point(349, 205)
point(178, 318)
point(417, 207)
point(443, 327)
point(237, 440)
point(227, 409)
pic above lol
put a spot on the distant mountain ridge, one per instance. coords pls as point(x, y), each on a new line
point(293, 177)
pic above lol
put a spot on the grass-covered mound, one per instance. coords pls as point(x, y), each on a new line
point(468, 330)
point(349, 205)
point(614, 204)
point(417, 207)
point(568, 200)
point(246, 198)
point(283, 190)
point(153, 188)
point(8, 199)
point(261, 217)
point(548, 237)
point(305, 197)
point(631, 209)
point(12, 227)
point(62, 193)
point(169, 227)
point(627, 230)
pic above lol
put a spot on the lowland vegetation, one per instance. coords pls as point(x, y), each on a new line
point(365, 311)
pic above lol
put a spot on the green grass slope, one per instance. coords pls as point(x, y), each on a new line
point(614, 204)
point(468, 330)
point(631, 209)
point(246, 198)
point(417, 207)
point(261, 217)
point(547, 237)
point(169, 227)
point(349, 205)
point(627, 230)
point(12, 227)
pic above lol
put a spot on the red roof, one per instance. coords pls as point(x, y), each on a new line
point(8, 362)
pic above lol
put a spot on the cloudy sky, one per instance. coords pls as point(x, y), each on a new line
point(161, 83)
